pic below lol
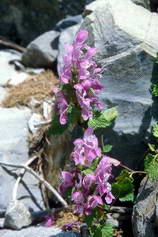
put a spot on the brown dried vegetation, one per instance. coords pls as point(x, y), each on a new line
point(36, 86)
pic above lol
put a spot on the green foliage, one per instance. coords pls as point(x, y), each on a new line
point(102, 230)
point(92, 168)
point(87, 171)
point(154, 89)
point(151, 166)
point(155, 130)
point(123, 188)
point(73, 116)
point(56, 128)
point(103, 119)
point(107, 148)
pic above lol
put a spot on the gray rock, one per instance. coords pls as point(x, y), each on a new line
point(128, 72)
point(66, 36)
point(25, 20)
point(17, 216)
point(42, 52)
point(8, 73)
point(14, 149)
point(39, 231)
point(68, 22)
point(145, 215)
point(144, 3)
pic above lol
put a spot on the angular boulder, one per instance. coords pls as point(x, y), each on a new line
point(124, 35)
point(42, 52)
point(145, 210)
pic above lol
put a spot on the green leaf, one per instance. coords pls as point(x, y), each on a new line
point(152, 147)
point(110, 114)
point(104, 119)
point(74, 114)
point(95, 164)
point(154, 89)
point(151, 166)
point(107, 230)
point(155, 130)
point(56, 128)
point(123, 188)
point(107, 148)
point(89, 220)
point(102, 231)
point(87, 171)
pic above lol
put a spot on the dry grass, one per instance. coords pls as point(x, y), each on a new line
point(67, 216)
point(36, 86)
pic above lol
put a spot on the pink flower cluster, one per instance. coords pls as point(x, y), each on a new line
point(81, 74)
point(91, 189)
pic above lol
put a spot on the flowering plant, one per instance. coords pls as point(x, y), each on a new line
point(89, 183)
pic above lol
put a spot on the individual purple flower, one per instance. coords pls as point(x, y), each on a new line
point(86, 149)
point(78, 197)
point(104, 169)
point(62, 106)
point(49, 221)
point(79, 208)
point(88, 180)
point(94, 201)
point(66, 181)
point(81, 37)
point(103, 188)
point(67, 178)
point(109, 198)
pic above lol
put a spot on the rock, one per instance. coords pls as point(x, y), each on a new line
point(128, 72)
point(14, 149)
point(25, 17)
point(17, 216)
point(33, 121)
point(154, 5)
point(67, 22)
point(8, 73)
point(39, 231)
point(42, 52)
point(66, 36)
point(145, 215)
point(144, 3)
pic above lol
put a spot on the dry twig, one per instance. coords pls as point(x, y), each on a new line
point(42, 180)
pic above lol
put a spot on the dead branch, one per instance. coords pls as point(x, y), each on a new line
point(15, 189)
point(42, 180)
point(11, 44)
point(43, 123)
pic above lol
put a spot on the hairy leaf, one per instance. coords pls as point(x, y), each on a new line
point(102, 231)
point(155, 130)
point(154, 89)
point(104, 119)
point(123, 188)
point(107, 148)
point(107, 230)
point(151, 166)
